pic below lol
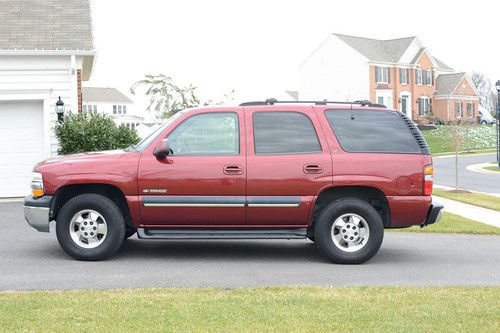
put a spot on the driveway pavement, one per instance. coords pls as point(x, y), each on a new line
point(444, 173)
point(30, 260)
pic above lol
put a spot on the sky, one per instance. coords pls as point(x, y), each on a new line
point(256, 47)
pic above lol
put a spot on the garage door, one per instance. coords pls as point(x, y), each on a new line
point(21, 145)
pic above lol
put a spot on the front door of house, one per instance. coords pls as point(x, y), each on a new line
point(404, 106)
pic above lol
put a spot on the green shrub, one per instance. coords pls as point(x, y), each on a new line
point(80, 133)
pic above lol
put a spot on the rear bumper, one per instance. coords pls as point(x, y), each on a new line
point(37, 211)
point(435, 214)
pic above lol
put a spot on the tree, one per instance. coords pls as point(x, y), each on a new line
point(83, 132)
point(486, 90)
point(457, 141)
point(167, 98)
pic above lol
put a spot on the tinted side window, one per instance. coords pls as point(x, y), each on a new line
point(284, 133)
point(207, 134)
point(371, 131)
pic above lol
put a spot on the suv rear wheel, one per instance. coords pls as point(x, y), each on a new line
point(90, 227)
point(349, 231)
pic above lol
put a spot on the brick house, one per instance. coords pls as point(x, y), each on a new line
point(399, 73)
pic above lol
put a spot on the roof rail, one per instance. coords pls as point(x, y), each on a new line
point(272, 101)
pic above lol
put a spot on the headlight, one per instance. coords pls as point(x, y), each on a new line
point(37, 184)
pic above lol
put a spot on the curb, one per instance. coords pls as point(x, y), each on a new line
point(465, 155)
point(9, 200)
point(479, 168)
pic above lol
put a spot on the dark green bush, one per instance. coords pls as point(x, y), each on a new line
point(80, 133)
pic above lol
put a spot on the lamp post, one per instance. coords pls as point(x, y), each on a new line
point(60, 110)
point(497, 85)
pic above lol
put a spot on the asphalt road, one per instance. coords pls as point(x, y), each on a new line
point(30, 260)
point(444, 173)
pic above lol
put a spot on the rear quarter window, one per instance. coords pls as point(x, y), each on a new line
point(371, 131)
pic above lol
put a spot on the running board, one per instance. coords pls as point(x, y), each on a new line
point(165, 233)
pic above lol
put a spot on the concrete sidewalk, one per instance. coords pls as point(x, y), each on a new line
point(479, 214)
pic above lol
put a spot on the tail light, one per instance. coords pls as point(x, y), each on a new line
point(428, 179)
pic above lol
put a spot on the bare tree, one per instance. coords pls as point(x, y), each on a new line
point(486, 90)
point(457, 140)
point(167, 98)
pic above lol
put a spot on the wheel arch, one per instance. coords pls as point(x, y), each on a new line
point(67, 192)
point(374, 196)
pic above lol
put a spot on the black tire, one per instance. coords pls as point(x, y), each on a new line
point(484, 122)
point(109, 211)
point(129, 232)
point(323, 230)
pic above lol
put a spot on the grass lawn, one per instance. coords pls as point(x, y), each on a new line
point(451, 223)
point(492, 168)
point(476, 199)
point(277, 309)
point(476, 138)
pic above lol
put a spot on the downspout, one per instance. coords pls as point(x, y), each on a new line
point(74, 85)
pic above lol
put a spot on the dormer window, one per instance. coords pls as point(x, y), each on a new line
point(382, 74)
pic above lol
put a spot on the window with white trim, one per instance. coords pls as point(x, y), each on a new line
point(418, 76)
point(458, 109)
point(403, 75)
point(424, 106)
point(382, 74)
point(470, 109)
point(91, 109)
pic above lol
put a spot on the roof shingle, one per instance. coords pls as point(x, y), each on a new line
point(45, 25)
point(446, 83)
point(103, 95)
point(378, 50)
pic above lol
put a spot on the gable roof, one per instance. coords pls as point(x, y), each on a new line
point(447, 83)
point(103, 95)
point(390, 50)
point(45, 25)
point(442, 65)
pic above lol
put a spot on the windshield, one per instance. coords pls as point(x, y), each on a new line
point(151, 137)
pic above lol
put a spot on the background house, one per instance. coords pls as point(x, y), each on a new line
point(46, 50)
point(399, 73)
point(112, 102)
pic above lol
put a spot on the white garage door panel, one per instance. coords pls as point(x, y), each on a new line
point(21, 145)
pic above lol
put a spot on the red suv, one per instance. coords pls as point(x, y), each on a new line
point(336, 173)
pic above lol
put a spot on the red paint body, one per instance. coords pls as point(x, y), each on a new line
point(398, 176)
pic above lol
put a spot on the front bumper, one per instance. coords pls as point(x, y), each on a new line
point(435, 214)
point(37, 212)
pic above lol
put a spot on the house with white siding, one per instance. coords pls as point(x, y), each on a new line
point(112, 102)
point(46, 51)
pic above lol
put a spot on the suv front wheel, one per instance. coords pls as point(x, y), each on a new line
point(349, 231)
point(90, 227)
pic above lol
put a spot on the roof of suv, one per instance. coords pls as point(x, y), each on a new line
point(274, 105)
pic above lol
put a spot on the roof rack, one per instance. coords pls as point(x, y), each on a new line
point(272, 101)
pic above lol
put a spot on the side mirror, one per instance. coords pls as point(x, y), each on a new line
point(162, 149)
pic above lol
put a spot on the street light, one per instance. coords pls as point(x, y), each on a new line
point(60, 109)
point(497, 85)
